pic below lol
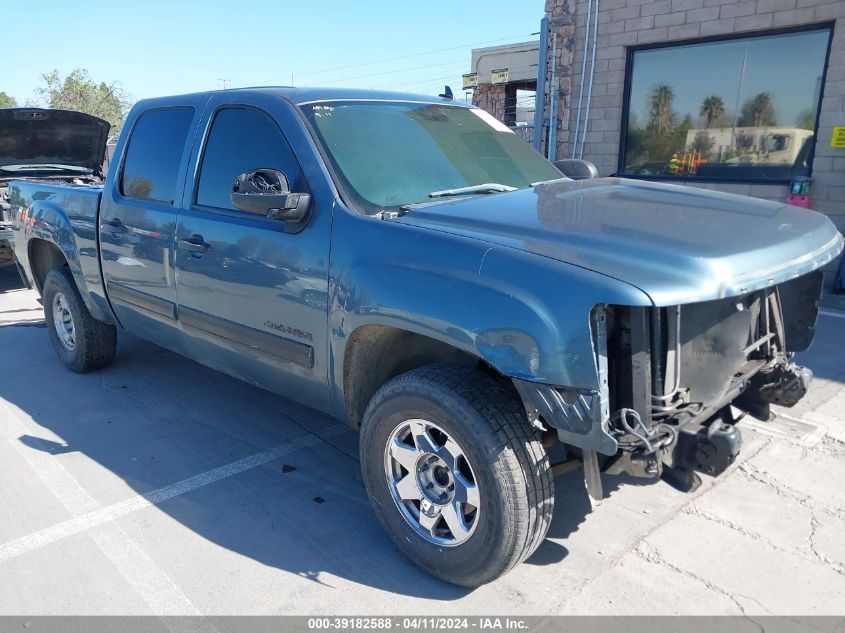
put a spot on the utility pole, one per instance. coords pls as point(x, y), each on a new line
point(225, 83)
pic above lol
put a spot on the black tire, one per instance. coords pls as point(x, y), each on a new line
point(509, 465)
point(94, 342)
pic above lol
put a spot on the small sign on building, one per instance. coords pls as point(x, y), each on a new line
point(837, 139)
point(500, 76)
point(470, 80)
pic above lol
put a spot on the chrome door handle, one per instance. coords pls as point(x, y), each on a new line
point(194, 244)
point(115, 225)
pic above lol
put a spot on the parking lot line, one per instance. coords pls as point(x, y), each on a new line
point(136, 566)
point(107, 514)
point(837, 315)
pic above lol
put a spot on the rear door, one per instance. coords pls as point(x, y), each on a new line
point(138, 221)
point(252, 293)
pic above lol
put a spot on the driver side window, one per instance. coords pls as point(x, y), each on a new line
point(242, 140)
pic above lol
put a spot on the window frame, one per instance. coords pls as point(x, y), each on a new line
point(176, 202)
point(626, 96)
point(209, 128)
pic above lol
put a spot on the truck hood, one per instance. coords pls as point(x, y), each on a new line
point(676, 244)
point(35, 136)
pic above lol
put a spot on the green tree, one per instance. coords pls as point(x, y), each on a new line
point(661, 115)
point(806, 119)
point(711, 109)
point(138, 187)
point(758, 111)
point(703, 143)
point(7, 101)
point(79, 92)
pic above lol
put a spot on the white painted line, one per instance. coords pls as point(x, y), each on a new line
point(75, 525)
point(837, 315)
point(138, 568)
point(132, 562)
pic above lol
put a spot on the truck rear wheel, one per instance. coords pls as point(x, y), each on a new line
point(456, 475)
point(81, 342)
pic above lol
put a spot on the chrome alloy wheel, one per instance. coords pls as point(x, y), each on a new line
point(432, 483)
point(63, 322)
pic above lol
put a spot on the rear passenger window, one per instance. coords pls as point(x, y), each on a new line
point(242, 140)
point(154, 153)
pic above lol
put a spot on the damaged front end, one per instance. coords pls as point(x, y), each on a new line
point(675, 380)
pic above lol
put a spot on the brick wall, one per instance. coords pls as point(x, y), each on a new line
point(624, 23)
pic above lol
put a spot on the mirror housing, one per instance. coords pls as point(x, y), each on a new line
point(267, 192)
point(577, 169)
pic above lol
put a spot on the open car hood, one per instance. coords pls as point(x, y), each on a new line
point(35, 136)
point(677, 244)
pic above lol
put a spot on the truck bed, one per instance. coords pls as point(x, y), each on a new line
point(44, 205)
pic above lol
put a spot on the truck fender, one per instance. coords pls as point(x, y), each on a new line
point(50, 223)
point(528, 317)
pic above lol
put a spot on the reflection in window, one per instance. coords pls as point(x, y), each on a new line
point(242, 140)
point(151, 166)
point(739, 109)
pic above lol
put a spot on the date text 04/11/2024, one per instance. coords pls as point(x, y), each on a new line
point(417, 623)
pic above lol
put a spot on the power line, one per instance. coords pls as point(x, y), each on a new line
point(414, 83)
point(394, 72)
point(431, 52)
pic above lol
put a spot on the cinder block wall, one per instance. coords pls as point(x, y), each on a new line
point(624, 23)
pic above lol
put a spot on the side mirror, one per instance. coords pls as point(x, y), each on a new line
point(267, 192)
point(577, 169)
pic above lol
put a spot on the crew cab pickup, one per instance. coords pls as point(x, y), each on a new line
point(409, 265)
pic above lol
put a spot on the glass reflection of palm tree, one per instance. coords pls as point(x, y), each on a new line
point(759, 111)
point(711, 109)
point(660, 102)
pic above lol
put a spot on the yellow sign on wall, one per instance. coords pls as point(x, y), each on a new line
point(837, 139)
point(500, 76)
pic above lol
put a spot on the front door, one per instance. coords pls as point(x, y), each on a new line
point(251, 296)
point(138, 223)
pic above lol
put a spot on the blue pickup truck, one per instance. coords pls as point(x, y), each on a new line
point(409, 265)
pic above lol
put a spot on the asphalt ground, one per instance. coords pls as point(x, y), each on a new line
point(158, 486)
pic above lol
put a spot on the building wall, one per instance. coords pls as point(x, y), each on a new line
point(624, 23)
point(491, 98)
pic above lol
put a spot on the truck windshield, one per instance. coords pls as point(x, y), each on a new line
point(390, 154)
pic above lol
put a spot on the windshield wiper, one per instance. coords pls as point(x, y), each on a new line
point(489, 187)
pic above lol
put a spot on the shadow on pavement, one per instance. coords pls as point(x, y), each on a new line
point(9, 278)
point(154, 418)
point(826, 354)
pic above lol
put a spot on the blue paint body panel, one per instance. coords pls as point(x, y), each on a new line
point(510, 278)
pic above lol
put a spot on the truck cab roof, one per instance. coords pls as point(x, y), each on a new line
point(300, 96)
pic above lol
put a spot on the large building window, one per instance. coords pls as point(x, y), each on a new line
point(740, 109)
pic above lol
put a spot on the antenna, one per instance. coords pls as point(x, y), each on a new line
point(447, 94)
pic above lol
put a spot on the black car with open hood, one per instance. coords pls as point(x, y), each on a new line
point(32, 137)
point(56, 145)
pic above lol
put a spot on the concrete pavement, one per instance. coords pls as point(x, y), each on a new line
point(160, 487)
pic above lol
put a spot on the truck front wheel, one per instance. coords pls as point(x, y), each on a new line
point(81, 342)
point(457, 476)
